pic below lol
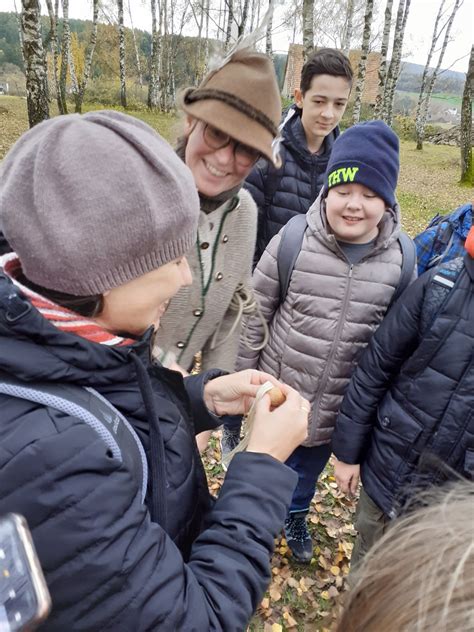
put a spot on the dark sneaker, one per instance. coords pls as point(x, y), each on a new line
point(298, 537)
point(229, 441)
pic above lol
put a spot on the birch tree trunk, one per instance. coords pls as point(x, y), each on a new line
point(308, 28)
point(121, 30)
point(369, 9)
point(383, 59)
point(395, 62)
point(53, 20)
point(346, 42)
point(268, 35)
point(467, 175)
point(153, 89)
point(79, 85)
point(36, 98)
point(135, 47)
point(243, 22)
point(20, 36)
point(424, 100)
point(230, 20)
point(65, 54)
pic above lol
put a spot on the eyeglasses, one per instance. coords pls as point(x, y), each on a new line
point(244, 155)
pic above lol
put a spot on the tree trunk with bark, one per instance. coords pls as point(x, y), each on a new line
point(55, 49)
point(308, 28)
point(395, 62)
point(65, 53)
point(121, 30)
point(346, 42)
point(79, 84)
point(268, 34)
point(467, 175)
point(230, 21)
point(427, 86)
point(243, 21)
point(135, 47)
point(153, 87)
point(369, 10)
point(36, 97)
point(424, 78)
point(383, 58)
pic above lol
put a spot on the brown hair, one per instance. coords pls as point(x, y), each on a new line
point(326, 61)
point(87, 306)
point(420, 576)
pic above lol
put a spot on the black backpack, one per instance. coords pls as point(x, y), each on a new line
point(290, 247)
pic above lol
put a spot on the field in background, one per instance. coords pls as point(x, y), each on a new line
point(428, 181)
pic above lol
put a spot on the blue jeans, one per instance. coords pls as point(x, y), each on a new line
point(308, 463)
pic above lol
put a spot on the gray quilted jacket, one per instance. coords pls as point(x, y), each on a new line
point(331, 310)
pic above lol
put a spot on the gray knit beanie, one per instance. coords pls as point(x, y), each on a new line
point(91, 202)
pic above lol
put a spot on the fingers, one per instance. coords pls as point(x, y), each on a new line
point(354, 483)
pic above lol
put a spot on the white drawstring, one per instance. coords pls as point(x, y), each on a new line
point(244, 303)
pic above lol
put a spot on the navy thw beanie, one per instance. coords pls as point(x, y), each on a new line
point(368, 154)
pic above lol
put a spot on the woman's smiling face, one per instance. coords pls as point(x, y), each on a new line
point(214, 170)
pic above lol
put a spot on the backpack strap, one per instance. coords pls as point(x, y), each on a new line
point(438, 291)
point(288, 251)
point(408, 248)
point(93, 409)
point(442, 242)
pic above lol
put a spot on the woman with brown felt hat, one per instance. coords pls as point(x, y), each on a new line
point(231, 121)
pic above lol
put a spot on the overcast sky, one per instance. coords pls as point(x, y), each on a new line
point(417, 41)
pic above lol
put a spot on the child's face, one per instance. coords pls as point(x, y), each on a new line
point(322, 105)
point(353, 212)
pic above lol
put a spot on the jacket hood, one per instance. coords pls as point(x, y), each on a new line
point(295, 139)
point(33, 349)
point(389, 227)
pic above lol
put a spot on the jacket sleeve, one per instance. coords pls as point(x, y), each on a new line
point(256, 185)
point(108, 567)
point(391, 346)
point(266, 286)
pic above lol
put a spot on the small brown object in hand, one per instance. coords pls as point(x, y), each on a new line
point(277, 397)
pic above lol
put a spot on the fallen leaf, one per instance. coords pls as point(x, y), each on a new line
point(275, 594)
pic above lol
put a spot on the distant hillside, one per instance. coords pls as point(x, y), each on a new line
point(449, 81)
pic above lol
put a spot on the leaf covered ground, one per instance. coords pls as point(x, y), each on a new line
point(305, 598)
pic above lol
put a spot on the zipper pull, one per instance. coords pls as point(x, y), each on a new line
point(351, 267)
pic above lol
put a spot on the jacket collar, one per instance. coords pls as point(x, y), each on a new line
point(32, 348)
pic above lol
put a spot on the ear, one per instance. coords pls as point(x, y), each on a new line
point(298, 98)
point(189, 124)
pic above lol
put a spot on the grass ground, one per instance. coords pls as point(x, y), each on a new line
point(305, 598)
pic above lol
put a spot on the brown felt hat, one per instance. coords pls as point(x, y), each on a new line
point(241, 99)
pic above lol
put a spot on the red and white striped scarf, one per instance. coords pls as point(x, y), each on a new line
point(61, 317)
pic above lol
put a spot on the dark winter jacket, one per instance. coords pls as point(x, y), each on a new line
point(111, 562)
point(409, 409)
point(282, 193)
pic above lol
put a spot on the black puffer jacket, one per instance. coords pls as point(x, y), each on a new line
point(108, 564)
point(409, 409)
point(282, 193)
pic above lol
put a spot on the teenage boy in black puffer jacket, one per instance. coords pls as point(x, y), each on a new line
point(309, 130)
point(407, 419)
